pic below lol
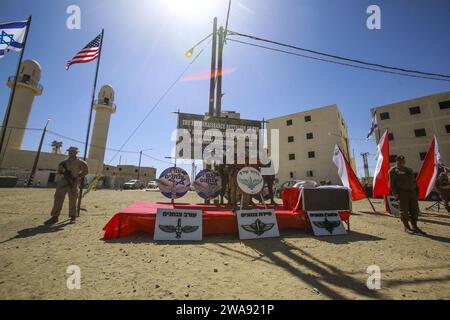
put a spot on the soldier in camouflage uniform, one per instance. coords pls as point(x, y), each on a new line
point(404, 187)
point(72, 171)
point(443, 186)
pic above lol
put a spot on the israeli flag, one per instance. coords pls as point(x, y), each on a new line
point(12, 36)
point(373, 126)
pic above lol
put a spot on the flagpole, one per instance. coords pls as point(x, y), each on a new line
point(13, 91)
point(371, 204)
point(89, 122)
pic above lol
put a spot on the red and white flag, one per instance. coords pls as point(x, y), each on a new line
point(429, 170)
point(381, 176)
point(89, 53)
point(348, 177)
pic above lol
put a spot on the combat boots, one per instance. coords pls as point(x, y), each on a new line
point(416, 228)
point(51, 221)
point(407, 227)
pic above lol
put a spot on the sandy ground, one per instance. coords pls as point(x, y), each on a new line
point(34, 259)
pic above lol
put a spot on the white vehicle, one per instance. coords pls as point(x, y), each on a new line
point(133, 184)
point(152, 185)
point(306, 184)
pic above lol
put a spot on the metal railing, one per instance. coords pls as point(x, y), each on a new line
point(103, 102)
point(28, 82)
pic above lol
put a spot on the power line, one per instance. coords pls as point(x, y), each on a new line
point(156, 105)
point(21, 128)
point(156, 159)
point(91, 145)
point(335, 62)
point(339, 57)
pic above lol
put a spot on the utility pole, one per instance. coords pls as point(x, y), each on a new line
point(366, 164)
point(348, 149)
point(139, 168)
point(212, 81)
point(193, 171)
point(38, 153)
point(219, 74)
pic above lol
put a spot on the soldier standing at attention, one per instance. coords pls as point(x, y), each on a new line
point(443, 186)
point(71, 171)
point(404, 187)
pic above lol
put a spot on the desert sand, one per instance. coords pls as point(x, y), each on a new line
point(34, 258)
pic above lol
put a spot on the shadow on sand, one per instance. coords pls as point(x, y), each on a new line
point(278, 252)
point(41, 229)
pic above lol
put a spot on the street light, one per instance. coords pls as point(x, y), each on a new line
point(38, 153)
point(140, 157)
point(174, 159)
point(346, 142)
point(190, 53)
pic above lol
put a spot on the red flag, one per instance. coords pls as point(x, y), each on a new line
point(348, 177)
point(381, 176)
point(429, 170)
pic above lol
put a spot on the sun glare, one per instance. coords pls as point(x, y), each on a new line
point(191, 8)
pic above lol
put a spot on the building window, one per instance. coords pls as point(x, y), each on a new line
point(444, 105)
point(391, 136)
point(311, 154)
point(52, 177)
point(120, 169)
point(289, 122)
point(292, 156)
point(384, 116)
point(107, 168)
point(420, 133)
point(447, 128)
point(309, 135)
point(136, 170)
point(307, 118)
point(310, 173)
point(414, 110)
point(422, 155)
point(291, 175)
point(290, 139)
point(392, 158)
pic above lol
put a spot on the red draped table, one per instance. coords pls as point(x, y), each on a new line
point(141, 216)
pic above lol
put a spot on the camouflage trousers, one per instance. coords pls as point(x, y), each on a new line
point(409, 205)
point(60, 195)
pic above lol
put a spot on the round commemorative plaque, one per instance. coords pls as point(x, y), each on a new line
point(174, 182)
point(208, 184)
point(250, 180)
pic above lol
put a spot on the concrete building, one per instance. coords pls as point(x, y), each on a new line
point(17, 162)
point(115, 176)
point(412, 124)
point(307, 141)
point(228, 114)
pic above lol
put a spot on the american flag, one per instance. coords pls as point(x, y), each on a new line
point(88, 53)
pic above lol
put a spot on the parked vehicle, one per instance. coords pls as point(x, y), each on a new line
point(294, 183)
point(133, 184)
point(306, 184)
point(152, 185)
point(281, 187)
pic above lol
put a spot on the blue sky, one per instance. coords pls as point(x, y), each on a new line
point(144, 52)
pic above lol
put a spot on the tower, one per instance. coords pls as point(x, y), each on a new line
point(27, 87)
point(104, 107)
